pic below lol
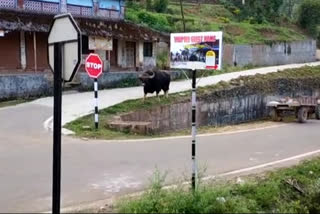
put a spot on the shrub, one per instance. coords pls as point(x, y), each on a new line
point(160, 6)
point(133, 5)
point(224, 19)
point(163, 60)
point(149, 5)
point(309, 16)
point(156, 21)
point(131, 15)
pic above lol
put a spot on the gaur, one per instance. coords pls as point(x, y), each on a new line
point(155, 81)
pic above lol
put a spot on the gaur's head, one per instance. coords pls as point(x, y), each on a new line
point(145, 77)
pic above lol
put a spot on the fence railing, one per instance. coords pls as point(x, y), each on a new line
point(54, 8)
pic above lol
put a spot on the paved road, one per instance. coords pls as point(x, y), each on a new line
point(95, 170)
point(80, 104)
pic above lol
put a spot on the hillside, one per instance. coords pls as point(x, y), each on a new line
point(253, 29)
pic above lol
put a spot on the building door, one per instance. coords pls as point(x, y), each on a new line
point(130, 54)
point(114, 53)
point(10, 51)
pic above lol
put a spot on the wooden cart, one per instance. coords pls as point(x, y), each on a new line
point(303, 107)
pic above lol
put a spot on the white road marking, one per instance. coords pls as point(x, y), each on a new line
point(265, 165)
point(110, 201)
point(113, 185)
point(48, 124)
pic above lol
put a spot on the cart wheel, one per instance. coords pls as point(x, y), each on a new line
point(275, 116)
point(318, 112)
point(303, 114)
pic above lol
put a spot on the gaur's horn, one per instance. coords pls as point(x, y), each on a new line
point(152, 76)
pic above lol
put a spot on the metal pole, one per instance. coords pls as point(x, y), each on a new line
point(56, 188)
point(96, 111)
point(194, 130)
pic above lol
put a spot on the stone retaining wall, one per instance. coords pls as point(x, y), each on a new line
point(13, 86)
point(211, 112)
point(25, 85)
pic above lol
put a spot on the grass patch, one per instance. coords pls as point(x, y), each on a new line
point(291, 190)
point(286, 81)
point(214, 17)
point(13, 102)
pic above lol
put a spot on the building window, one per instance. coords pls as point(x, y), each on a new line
point(147, 49)
point(85, 45)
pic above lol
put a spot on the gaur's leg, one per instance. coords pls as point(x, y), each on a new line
point(144, 97)
point(158, 95)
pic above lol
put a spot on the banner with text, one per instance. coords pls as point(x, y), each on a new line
point(201, 50)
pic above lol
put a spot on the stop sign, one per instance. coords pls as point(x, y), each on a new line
point(94, 65)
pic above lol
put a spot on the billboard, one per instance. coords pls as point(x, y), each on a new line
point(100, 43)
point(201, 50)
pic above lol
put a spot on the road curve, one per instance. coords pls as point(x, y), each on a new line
point(81, 104)
point(94, 170)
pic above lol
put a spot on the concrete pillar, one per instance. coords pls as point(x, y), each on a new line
point(140, 53)
point(121, 53)
point(154, 49)
point(20, 4)
point(103, 56)
point(23, 55)
point(63, 6)
point(35, 51)
point(95, 7)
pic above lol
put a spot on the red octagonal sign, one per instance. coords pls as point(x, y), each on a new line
point(94, 65)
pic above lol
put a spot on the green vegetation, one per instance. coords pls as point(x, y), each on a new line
point(251, 23)
point(291, 190)
point(285, 81)
point(309, 17)
point(13, 102)
point(163, 60)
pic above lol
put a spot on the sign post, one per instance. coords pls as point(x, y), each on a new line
point(94, 67)
point(195, 51)
point(64, 52)
point(193, 129)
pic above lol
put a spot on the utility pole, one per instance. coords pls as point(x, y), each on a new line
point(182, 14)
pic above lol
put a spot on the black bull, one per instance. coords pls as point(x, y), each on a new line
point(155, 81)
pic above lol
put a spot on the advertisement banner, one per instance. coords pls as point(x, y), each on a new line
point(100, 43)
point(201, 50)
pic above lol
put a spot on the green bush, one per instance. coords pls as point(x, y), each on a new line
point(309, 16)
point(149, 5)
point(163, 60)
point(133, 5)
point(160, 6)
point(156, 21)
point(261, 12)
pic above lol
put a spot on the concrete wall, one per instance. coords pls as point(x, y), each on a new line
point(14, 86)
point(273, 54)
point(116, 79)
point(24, 86)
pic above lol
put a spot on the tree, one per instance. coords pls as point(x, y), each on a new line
point(309, 16)
point(149, 5)
point(160, 6)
